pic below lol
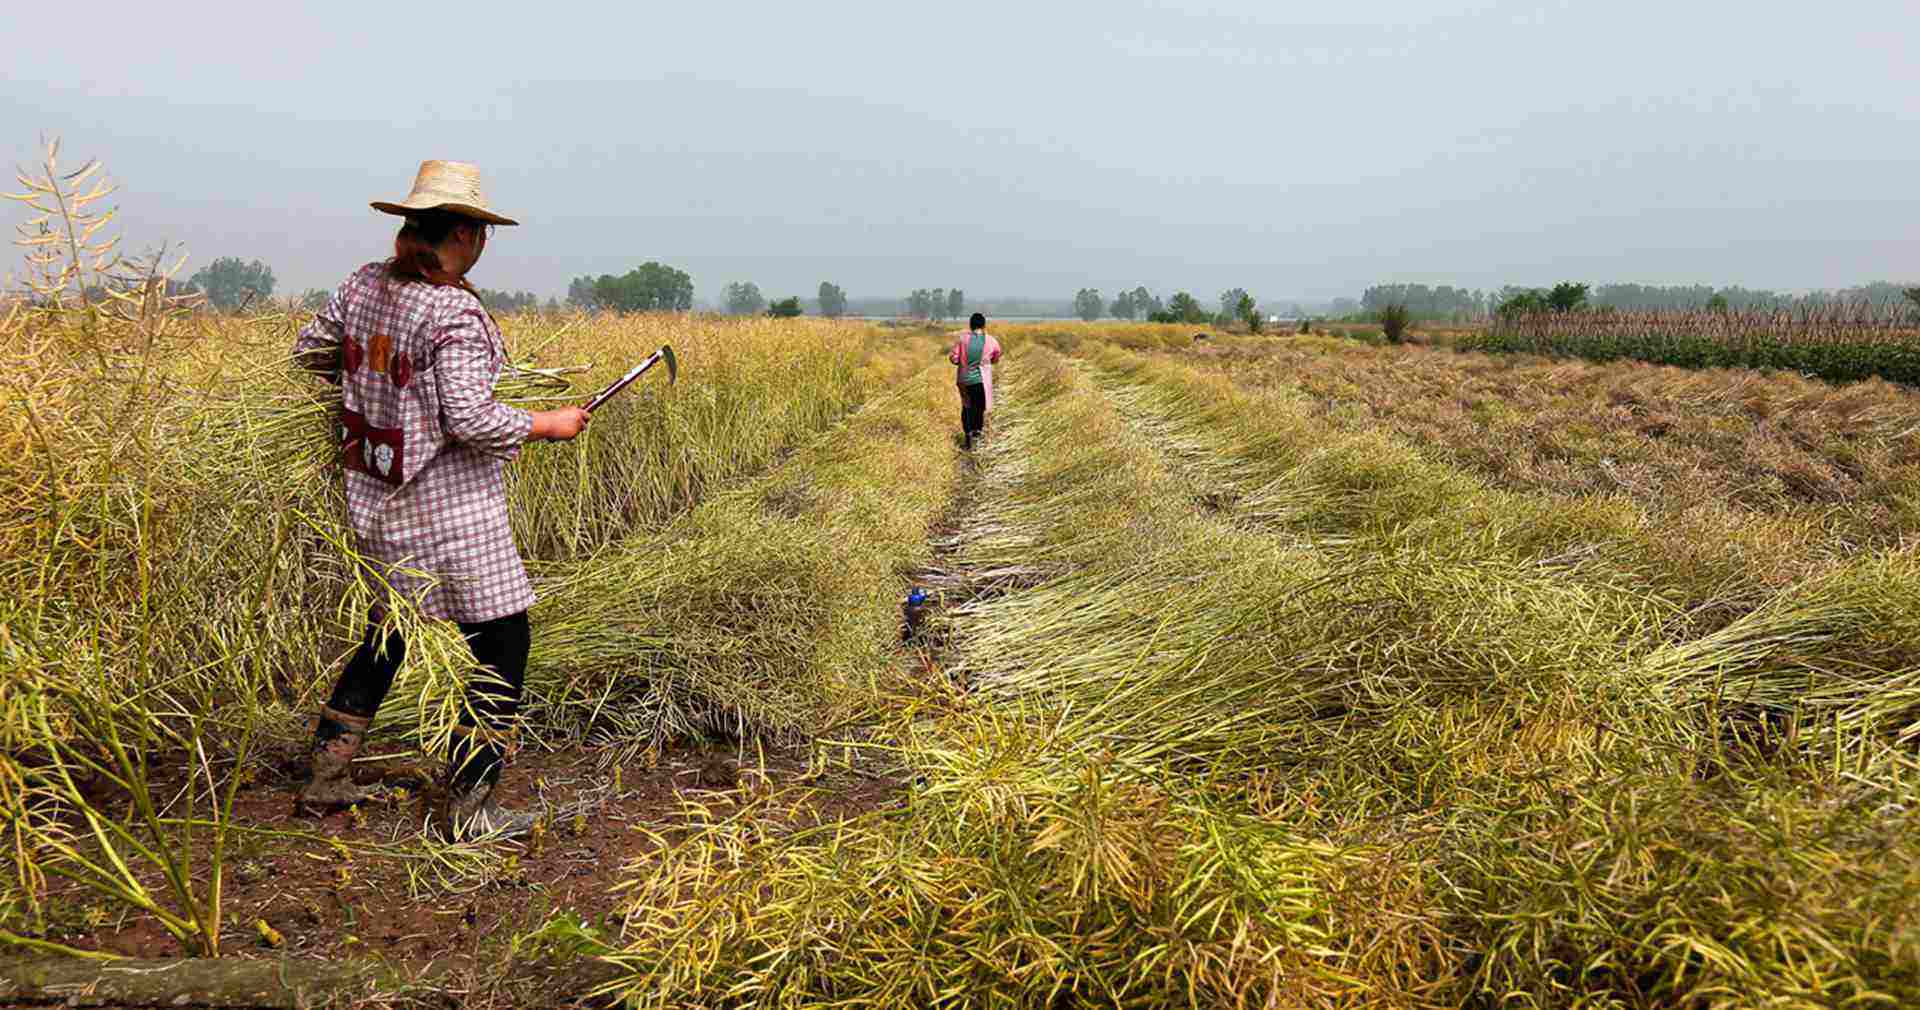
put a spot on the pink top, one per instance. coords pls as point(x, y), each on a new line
point(989, 354)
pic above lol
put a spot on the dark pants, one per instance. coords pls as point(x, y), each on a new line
point(973, 409)
point(500, 645)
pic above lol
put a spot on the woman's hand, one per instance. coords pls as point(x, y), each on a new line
point(559, 425)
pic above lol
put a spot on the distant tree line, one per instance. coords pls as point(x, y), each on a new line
point(1136, 304)
point(1039, 308)
point(1423, 302)
point(994, 308)
point(1181, 308)
point(833, 301)
point(509, 301)
point(936, 304)
point(97, 294)
point(1237, 305)
point(315, 299)
point(1565, 296)
point(230, 284)
point(743, 298)
point(650, 287)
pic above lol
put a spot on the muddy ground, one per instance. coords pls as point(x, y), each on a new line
point(377, 896)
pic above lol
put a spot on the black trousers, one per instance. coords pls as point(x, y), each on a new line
point(973, 408)
point(500, 646)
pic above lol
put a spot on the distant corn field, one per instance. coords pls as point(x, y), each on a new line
point(1839, 342)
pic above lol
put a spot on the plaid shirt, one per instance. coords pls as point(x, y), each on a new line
point(424, 445)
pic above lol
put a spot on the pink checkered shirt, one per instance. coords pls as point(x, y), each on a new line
point(424, 445)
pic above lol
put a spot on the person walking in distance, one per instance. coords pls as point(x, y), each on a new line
point(424, 448)
point(973, 356)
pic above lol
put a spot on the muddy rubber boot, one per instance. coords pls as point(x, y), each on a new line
point(336, 740)
point(472, 815)
point(470, 812)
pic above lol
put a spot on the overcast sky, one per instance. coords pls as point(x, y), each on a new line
point(1297, 150)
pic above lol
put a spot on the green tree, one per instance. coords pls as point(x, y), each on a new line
point(833, 301)
point(650, 287)
point(1521, 301)
point(743, 298)
point(664, 288)
point(920, 304)
point(617, 293)
point(1249, 311)
point(1230, 302)
point(580, 294)
point(1423, 302)
point(1146, 303)
point(1394, 320)
point(785, 308)
point(1122, 307)
point(956, 303)
point(1567, 296)
point(1087, 304)
point(1717, 303)
point(1181, 308)
point(230, 284)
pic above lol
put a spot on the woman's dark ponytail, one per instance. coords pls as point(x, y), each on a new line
point(414, 258)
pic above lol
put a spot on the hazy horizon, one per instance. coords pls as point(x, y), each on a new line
point(1013, 151)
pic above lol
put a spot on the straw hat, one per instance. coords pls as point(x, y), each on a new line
point(450, 185)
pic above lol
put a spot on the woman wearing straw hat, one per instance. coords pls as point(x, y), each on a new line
point(424, 446)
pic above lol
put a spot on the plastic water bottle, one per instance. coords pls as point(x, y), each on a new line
point(916, 611)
